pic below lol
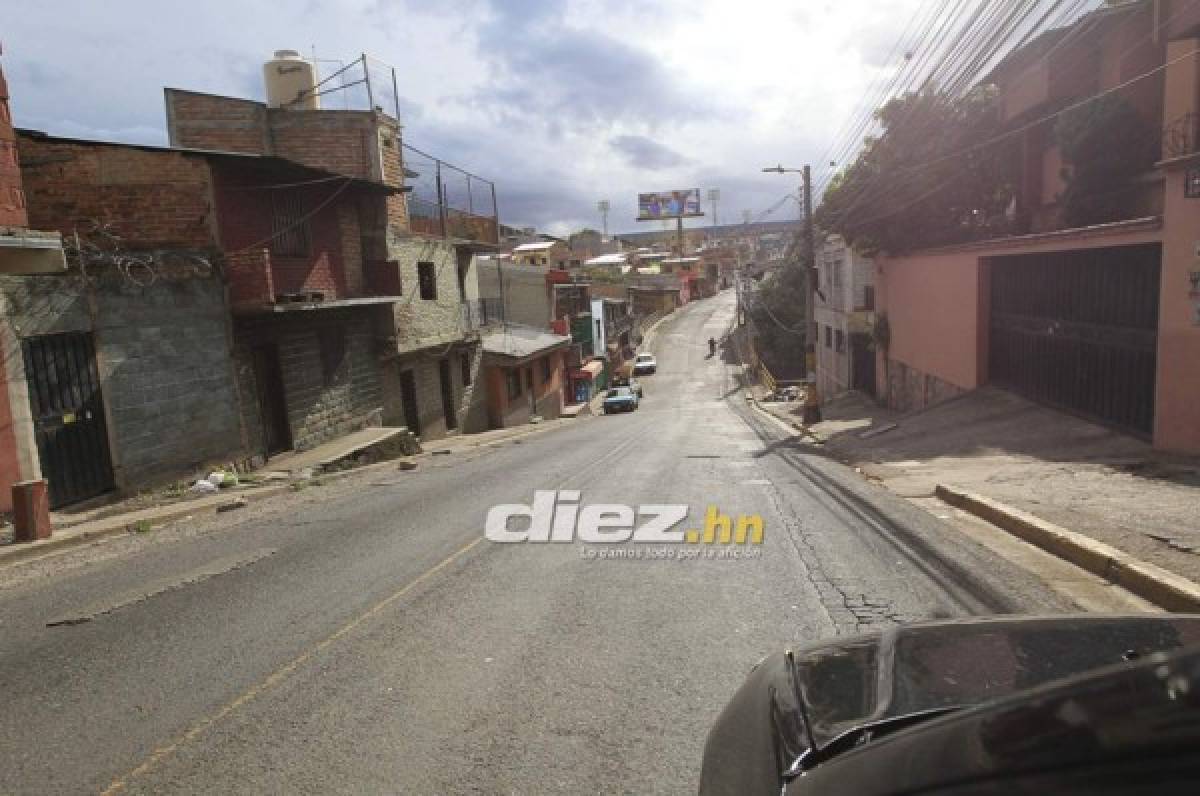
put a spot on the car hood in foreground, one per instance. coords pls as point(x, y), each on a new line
point(794, 701)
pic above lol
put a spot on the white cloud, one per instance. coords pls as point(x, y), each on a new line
point(530, 93)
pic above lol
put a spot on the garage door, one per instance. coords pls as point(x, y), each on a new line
point(1078, 330)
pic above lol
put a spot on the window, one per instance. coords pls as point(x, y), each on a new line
point(829, 337)
point(868, 301)
point(465, 363)
point(839, 341)
point(547, 371)
point(333, 356)
point(512, 378)
point(427, 281)
point(289, 227)
point(529, 378)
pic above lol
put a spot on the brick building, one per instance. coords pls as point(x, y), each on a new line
point(411, 241)
point(123, 361)
point(281, 354)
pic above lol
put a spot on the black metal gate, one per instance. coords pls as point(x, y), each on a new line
point(68, 416)
point(1079, 330)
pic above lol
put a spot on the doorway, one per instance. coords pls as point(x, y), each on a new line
point(272, 404)
point(68, 416)
point(447, 395)
point(408, 396)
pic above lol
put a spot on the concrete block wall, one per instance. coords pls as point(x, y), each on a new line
point(167, 377)
point(163, 360)
point(523, 288)
point(316, 412)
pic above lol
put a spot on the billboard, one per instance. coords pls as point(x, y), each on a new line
point(669, 204)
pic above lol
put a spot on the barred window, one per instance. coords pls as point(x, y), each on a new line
point(289, 227)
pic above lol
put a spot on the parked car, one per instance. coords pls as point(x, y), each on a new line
point(645, 363)
point(631, 383)
point(1080, 704)
point(620, 399)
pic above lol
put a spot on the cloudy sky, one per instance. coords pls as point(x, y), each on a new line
point(560, 103)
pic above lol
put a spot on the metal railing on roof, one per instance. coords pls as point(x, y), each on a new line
point(449, 201)
point(446, 200)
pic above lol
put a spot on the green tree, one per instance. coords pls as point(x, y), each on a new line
point(924, 180)
point(777, 317)
point(1106, 145)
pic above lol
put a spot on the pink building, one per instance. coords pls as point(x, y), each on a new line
point(1102, 320)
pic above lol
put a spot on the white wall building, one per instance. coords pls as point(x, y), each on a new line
point(845, 314)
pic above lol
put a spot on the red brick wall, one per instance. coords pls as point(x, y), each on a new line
point(205, 121)
point(12, 198)
point(244, 214)
point(250, 278)
point(351, 241)
point(337, 141)
point(151, 198)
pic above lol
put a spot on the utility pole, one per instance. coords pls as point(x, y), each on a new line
point(810, 257)
point(602, 206)
point(809, 263)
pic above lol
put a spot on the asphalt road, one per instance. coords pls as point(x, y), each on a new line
point(364, 637)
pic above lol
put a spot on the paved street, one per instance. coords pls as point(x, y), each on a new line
point(365, 638)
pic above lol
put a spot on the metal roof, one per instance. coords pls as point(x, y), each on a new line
point(519, 342)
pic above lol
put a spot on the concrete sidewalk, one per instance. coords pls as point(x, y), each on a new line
point(1107, 486)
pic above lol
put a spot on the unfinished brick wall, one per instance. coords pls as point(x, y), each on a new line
point(152, 198)
point(226, 124)
point(333, 264)
point(339, 141)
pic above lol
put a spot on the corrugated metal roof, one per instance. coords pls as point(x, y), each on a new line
point(519, 342)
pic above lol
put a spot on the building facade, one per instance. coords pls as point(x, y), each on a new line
point(1104, 319)
point(411, 243)
point(844, 312)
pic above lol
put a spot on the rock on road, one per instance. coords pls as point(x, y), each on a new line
point(370, 640)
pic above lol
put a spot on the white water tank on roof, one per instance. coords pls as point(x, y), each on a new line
point(291, 82)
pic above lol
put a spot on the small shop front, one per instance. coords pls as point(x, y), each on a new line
point(587, 380)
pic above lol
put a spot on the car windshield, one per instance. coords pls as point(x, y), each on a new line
point(323, 467)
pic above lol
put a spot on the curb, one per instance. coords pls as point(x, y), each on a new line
point(1148, 581)
point(795, 428)
point(126, 523)
point(15, 553)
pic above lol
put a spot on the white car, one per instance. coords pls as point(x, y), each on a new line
point(645, 363)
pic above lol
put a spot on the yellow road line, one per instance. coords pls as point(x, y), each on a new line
point(277, 676)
